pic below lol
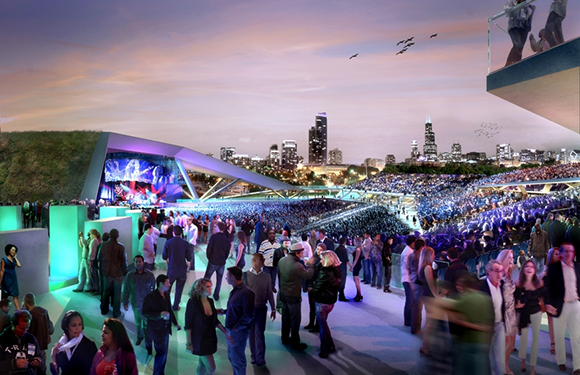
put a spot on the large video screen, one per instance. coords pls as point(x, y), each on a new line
point(136, 170)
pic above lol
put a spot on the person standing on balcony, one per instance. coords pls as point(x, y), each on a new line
point(519, 25)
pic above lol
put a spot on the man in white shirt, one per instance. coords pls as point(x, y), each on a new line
point(366, 254)
point(306, 246)
point(493, 286)
point(191, 238)
point(406, 279)
point(147, 247)
point(563, 284)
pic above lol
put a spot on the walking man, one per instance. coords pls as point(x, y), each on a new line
point(138, 284)
point(177, 255)
point(113, 261)
point(217, 253)
point(157, 311)
point(239, 316)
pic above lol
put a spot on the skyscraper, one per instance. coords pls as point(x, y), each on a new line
point(429, 148)
point(317, 140)
point(503, 152)
point(456, 152)
point(227, 153)
point(335, 156)
point(414, 149)
point(289, 155)
point(274, 156)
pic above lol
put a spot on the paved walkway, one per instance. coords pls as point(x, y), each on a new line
point(370, 336)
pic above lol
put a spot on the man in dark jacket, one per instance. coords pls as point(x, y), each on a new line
point(540, 245)
point(557, 231)
point(342, 255)
point(217, 253)
point(41, 327)
point(157, 310)
point(19, 350)
point(387, 263)
point(177, 254)
point(291, 273)
point(113, 261)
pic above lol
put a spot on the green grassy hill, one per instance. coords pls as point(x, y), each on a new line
point(40, 166)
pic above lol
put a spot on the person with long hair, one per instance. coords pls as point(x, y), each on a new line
point(231, 223)
point(94, 283)
point(553, 256)
point(427, 278)
point(241, 250)
point(8, 278)
point(200, 324)
point(205, 228)
point(117, 353)
point(528, 294)
point(356, 266)
point(74, 352)
point(506, 258)
point(325, 292)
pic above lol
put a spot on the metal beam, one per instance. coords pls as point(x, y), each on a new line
point(220, 190)
point(186, 178)
point(211, 189)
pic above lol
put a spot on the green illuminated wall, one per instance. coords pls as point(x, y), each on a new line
point(135, 215)
point(10, 217)
point(112, 211)
point(65, 224)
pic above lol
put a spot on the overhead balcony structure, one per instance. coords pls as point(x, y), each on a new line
point(546, 83)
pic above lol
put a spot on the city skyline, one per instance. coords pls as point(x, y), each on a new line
point(204, 75)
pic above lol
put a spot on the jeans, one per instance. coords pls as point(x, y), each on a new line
point(237, 350)
point(470, 359)
point(497, 349)
point(326, 342)
point(291, 318)
point(272, 271)
point(84, 275)
point(96, 285)
point(387, 282)
point(408, 303)
point(540, 263)
point(219, 270)
point(192, 263)
point(161, 343)
point(141, 325)
point(416, 308)
point(257, 338)
point(180, 284)
point(111, 285)
point(367, 270)
point(377, 271)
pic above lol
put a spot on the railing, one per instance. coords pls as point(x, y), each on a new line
point(498, 33)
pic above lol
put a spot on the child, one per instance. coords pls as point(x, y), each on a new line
point(522, 259)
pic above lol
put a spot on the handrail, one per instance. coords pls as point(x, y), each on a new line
point(491, 19)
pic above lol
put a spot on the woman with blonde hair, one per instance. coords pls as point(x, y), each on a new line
point(200, 324)
point(427, 278)
point(325, 292)
point(506, 258)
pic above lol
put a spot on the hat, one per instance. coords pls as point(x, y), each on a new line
point(296, 248)
point(284, 238)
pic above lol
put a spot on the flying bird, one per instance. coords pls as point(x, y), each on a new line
point(410, 39)
point(433, 36)
point(409, 45)
point(400, 52)
point(355, 55)
point(401, 42)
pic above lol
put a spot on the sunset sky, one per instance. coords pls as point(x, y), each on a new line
point(205, 74)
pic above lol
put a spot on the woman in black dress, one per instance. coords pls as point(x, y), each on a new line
point(200, 324)
point(73, 353)
point(356, 266)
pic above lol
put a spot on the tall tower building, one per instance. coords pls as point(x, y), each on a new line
point(227, 153)
point(335, 156)
point(289, 155)
point(414, 149)
point(317, 140)
point(456, 152)
point(274, 156)
point(503, 152)
point(429, 148)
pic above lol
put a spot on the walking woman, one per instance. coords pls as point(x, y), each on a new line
point(74, 352)
point(200, 324)
point(356, 266)
point(529, 292)
point(8, 274)
point(241, 250)
point(325, 292)
point(506, 258)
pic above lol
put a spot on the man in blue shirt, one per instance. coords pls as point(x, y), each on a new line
point(239, 316)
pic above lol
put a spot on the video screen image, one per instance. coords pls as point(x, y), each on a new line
point(137, 170)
